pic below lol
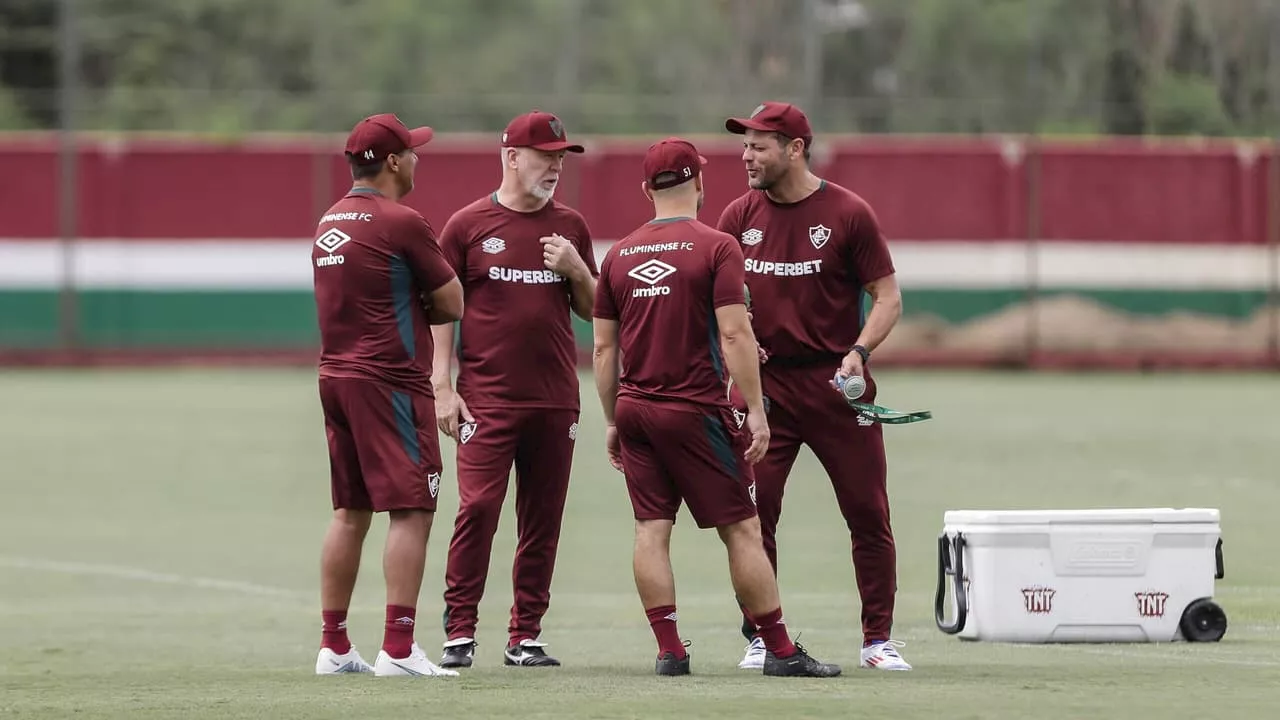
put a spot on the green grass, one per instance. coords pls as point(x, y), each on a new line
point(159, 533)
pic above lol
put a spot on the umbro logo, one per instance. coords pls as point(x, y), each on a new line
point(493, 245)
point(332, 239)
point(752, 237)
point(651, 272)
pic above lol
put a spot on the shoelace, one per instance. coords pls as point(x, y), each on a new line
point(890, 648)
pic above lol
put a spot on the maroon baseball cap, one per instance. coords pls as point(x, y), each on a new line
point(377, 136)
point(673, 155)
point(538, 130)
point(783, 118)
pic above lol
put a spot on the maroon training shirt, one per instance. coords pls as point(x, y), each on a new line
point(374, 260)
point(517, 344)
point(806, 265)
point(663, 283)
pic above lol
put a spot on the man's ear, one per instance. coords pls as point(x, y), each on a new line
point(644, 188)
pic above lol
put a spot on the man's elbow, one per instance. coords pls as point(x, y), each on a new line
point(733, 334)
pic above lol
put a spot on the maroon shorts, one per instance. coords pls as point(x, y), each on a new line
point(673, 452)
point(384, 453)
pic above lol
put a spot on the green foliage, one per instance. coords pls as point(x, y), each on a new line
point(1186, 105)
point(955, 66)
point(12, 116)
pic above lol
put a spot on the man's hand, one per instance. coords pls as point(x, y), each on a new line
point(613, 446)
point(759, 429)
point(849, 367)
point(561, 257)
point(451, 411)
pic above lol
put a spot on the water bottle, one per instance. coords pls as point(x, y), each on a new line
point(852, 387)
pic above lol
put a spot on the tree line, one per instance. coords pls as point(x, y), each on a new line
point(1127, 67)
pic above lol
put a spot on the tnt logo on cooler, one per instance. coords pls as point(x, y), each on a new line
point(330, 241)
point(1038, 600)
point(1151, 604)
point(651, 272)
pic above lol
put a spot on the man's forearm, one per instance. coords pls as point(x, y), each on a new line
point(582, 294)
point(605, 364)
point(442, 357)
point(743, 362)
point(884, 315)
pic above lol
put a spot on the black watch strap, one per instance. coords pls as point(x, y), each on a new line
point(862, 351)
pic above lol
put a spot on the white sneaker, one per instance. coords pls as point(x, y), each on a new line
point(754, 659)
point(329, 662)
point(884, 656)
point(416, 665)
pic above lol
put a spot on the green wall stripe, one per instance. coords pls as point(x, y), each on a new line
point(286, 319)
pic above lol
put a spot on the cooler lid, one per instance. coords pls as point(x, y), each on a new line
point(1082, 517)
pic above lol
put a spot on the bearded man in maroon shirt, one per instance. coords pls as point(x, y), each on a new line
point(812, 248)
point(526, 262)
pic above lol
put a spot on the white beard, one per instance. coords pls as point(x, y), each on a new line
point(536, 190)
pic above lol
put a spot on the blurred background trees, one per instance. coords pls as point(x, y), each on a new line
point(1130, 67)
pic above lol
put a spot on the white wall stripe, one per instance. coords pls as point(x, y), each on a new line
point(284, 265)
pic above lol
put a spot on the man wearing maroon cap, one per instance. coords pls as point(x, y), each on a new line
point(380, 280)
point(812, 248)
point(670, 428)
point(526, 262)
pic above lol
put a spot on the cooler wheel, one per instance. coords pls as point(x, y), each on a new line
point(1203, 621)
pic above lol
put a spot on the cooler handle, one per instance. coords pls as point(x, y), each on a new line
point(946, 550)
point(1220, 572)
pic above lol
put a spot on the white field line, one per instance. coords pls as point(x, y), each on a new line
point(142, 575)
point(1196, 658)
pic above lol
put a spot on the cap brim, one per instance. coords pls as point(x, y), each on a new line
point(420, 136)
point(739, 126)
point(558, 146)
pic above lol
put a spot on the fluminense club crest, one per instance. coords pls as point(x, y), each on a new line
point(819, 235)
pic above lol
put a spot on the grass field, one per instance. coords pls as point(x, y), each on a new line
point(159, 534)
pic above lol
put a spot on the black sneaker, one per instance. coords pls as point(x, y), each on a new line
point(798, 665)
point(458, 653)
point(529, 653)
point(669, 664)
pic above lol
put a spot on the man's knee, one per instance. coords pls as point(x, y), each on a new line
point(353, 522)
point(653, 535)
point(742, 532)
point(415, 518)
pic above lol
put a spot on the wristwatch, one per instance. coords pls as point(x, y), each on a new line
point(862, 351)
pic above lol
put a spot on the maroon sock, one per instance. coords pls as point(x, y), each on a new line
point(397, 636)
point(333, 634)
point(774, 633)
point(663, 621)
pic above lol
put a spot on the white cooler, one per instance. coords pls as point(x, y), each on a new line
point(1050, 576)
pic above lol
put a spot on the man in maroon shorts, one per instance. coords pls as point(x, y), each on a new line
point(812, 248)
point(670, 304)
point(525, 262)
point(380, 280)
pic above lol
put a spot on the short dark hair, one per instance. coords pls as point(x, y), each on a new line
point(364, 171)
point(784, 139)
